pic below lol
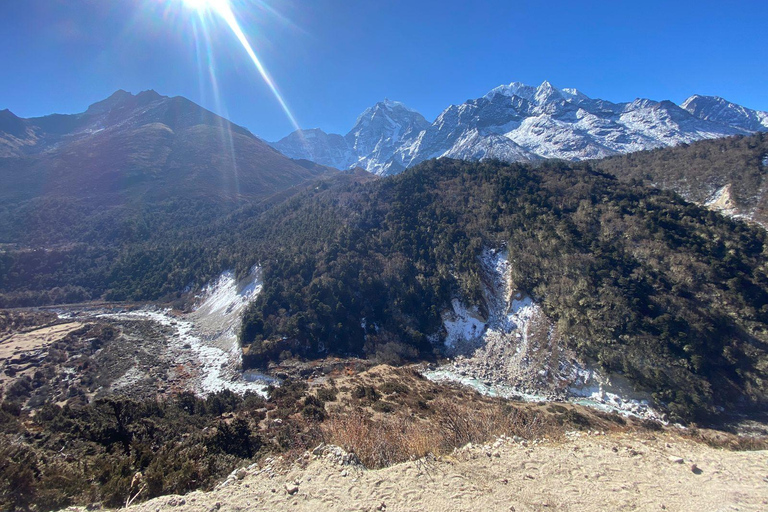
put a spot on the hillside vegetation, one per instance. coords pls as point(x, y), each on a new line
point(697, 171)
point(638, 281)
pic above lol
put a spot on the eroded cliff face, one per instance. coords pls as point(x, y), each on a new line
point(516, 350)
point(515, 344)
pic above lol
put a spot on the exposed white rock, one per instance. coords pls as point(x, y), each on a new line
point(218, 314)
point(517, 352)
point(721, 200)
point(462, 326)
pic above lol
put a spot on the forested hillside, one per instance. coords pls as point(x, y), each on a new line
point(699, 171)
point(670, 294)
point(639, 281)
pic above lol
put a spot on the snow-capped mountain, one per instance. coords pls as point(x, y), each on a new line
point(378, 133)
point(521, 122)
point(714, 108)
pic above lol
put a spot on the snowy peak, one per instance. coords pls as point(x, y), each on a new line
point(380, 130)
point(389, 113)
point(518, 89)
point(719, 110)
point(544, 94)
point(571, 94)
point(517, 122)
point(386, 106)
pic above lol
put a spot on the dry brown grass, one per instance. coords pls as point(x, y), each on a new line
point(399, 437)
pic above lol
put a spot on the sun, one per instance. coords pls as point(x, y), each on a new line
point(223, 9)
point(205, 5)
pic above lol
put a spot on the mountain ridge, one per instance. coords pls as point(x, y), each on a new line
point(145, 146)
point(519, 122)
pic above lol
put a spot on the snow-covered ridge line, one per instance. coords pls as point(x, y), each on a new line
point(519, 122)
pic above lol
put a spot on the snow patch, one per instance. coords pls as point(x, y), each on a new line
point(205, 340)
point(517, 352)
point(218, 315)
point(216, 369)
point(462, 325)
point(722, 201)
point(613, 393)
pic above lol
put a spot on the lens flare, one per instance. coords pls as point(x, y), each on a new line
point(205, 5)
point(223, 9)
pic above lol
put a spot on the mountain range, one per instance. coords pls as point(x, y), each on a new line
point(518, 122)
point(138, 149)
point(145, 197)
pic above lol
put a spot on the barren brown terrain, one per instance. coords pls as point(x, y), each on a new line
point(583, 472)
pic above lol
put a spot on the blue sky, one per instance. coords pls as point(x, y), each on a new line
point(333, 58)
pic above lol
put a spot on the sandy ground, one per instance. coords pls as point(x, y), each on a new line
point(585, 472)
point(35, 339)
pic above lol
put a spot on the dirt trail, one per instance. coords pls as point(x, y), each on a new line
point(583, 473)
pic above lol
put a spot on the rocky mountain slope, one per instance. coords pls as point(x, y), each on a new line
point(140, 148)
point(520, 122)
point(374, 142)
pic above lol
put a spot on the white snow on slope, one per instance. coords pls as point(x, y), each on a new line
point(205, 341)
point(220, 308)
point(516, 351)
point(462, 325)
point(521, 122)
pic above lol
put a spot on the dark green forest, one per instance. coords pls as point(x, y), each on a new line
point(698, 170)
point(639, 281)
point(643, 283)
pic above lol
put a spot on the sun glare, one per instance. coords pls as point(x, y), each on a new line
point(223, 9)
point(204, 5)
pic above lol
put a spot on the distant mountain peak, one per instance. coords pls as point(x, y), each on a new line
point(313, 132)
point(150, 95)
point(573, 94)
point(703, 97)
point(122, 98)
point(105, 105)
point(546, 92)
point(11, 124)
point(518, 89)
point(386, 106)
point(392, 104)
point(517, 121)
point(719, 110)
point(543, 94)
